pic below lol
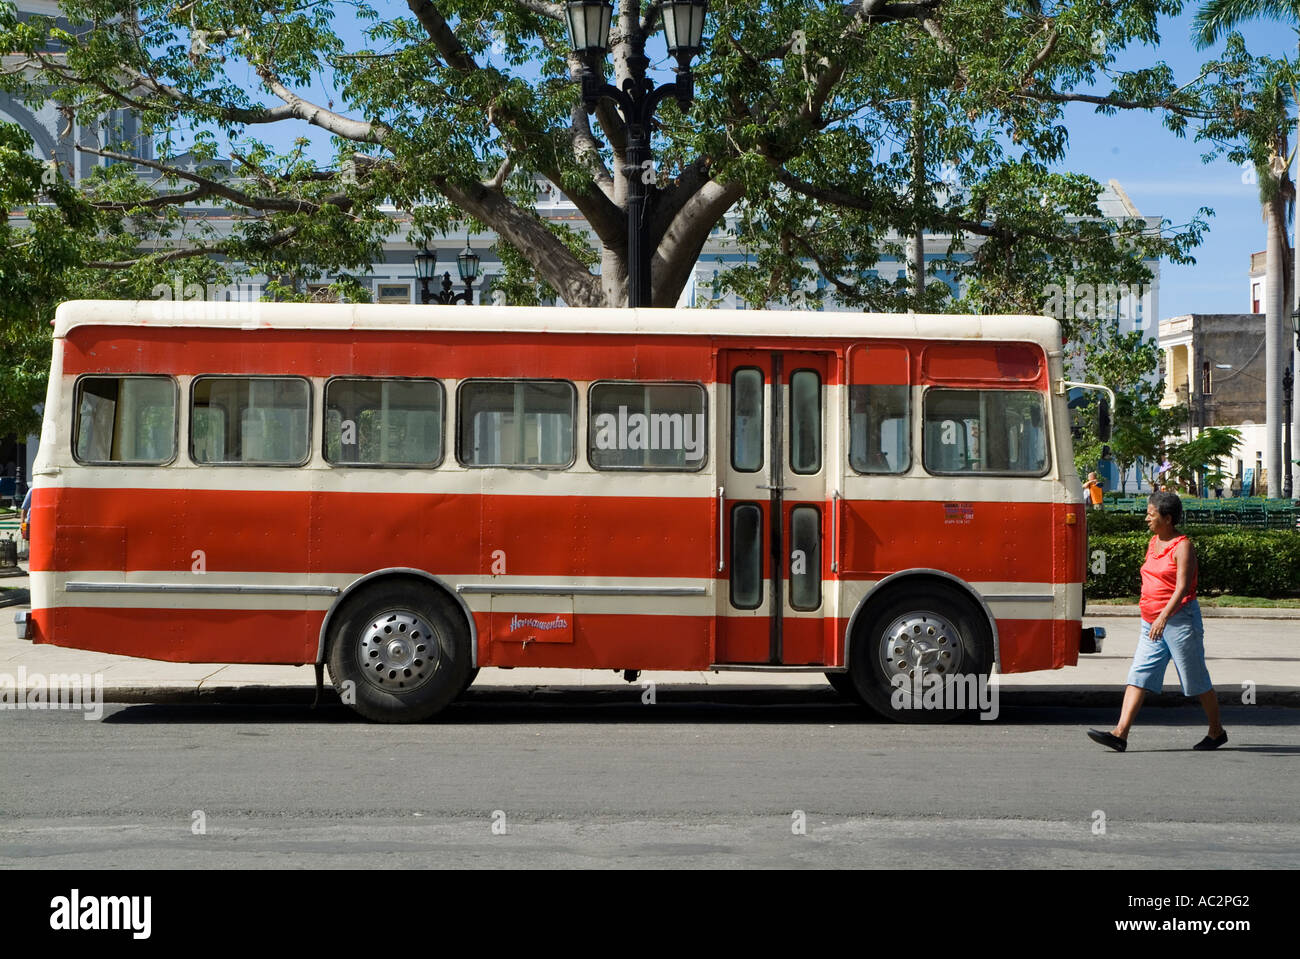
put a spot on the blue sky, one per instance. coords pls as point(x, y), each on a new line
point(1164, 176)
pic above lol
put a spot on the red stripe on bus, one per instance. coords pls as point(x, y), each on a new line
point(297, 532)
point(979, 542)
point(586, 356)
point(319, 532)
point(396, 353)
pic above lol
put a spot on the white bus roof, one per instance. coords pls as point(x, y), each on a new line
point(197, 314)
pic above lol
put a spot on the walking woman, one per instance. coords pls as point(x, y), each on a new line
point(1171, 627)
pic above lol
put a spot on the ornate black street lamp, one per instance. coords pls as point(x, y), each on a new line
point(425, 272)
point(589, 22)
point(1288, 383)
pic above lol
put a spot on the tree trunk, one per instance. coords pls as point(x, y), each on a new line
point(1274, 312)
point(1293, 305)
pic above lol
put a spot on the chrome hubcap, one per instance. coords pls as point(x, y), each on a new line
point(398, 650)
point(917, 643)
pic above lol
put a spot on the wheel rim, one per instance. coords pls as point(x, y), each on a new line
point(398, 650)
point(917, 643)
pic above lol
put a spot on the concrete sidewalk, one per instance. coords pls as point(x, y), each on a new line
point(1244, 651)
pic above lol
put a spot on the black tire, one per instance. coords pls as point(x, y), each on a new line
point(842, 683)
point(941, 627)
point(399, 652)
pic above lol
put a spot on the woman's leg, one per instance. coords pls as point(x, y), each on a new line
point(1185, 634)
point(1133, 697)
point(1210, 703)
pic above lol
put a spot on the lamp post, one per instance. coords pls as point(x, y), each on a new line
point(425, 270)
point(1287, 383)
point(589, 22)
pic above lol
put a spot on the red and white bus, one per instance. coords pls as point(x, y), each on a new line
point(409, 494)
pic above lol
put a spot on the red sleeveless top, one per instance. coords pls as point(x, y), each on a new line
point(1160, 578)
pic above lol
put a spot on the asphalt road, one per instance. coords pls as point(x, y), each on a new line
point(586, 785)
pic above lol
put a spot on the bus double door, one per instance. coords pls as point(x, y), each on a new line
point(774, 508)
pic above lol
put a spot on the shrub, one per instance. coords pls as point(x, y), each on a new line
point(1245, 562)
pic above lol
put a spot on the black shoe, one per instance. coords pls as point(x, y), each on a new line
point(1208, 743)
point(1114, 742)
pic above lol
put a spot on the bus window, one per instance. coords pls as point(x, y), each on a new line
point(989, 431)
point(805, 558)
point(646, 426)
point(516, 423)
point(127, 419)
point(383, 422)
point(805, 422)
point(258, 420)
point(746, 556)
point(747, 420)
point(879, 429)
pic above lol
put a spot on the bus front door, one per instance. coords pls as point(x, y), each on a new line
point(774, 422)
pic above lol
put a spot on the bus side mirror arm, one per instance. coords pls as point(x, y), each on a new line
point(1107, 405)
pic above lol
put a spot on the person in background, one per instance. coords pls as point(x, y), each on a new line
point(24, 516)
point(1094, 490)
point(1171, 628)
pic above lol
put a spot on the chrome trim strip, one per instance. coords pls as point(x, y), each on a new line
point(740, 668)
point(1018, 597)
point(583, 590)
point(835, 531)
point(211, 588)
point(722, 536)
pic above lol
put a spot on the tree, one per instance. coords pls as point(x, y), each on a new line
point(1195, 464)
point(823, 125)
point(34, 262)
point(1267, 144)
point(1129, 365)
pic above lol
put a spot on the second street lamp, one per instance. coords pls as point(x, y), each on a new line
point(466, 265)
point(589, 23)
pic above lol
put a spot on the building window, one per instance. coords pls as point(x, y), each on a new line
point(392, 293)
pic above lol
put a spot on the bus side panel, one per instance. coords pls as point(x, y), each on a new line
point(605, 641)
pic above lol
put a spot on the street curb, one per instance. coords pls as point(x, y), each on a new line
point(1021, 696)
point(1207, 612)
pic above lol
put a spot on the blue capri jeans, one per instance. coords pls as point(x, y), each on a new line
point(1183, 641)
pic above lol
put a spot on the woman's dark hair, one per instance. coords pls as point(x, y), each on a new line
point(1167, 505)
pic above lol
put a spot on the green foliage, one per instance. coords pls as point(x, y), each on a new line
point(1202, 455)
point(1243, 562)
point(1128, 364)
point(806, 122)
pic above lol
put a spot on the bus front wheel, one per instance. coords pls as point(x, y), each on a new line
point(924, 657)
point(399, 653)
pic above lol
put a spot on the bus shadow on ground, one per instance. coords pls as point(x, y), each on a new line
point(497, 709)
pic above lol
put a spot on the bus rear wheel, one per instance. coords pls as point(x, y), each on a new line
point(924, 657)
point(399, 653)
